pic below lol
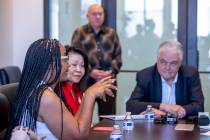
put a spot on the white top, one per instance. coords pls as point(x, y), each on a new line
point(168, 91)
point(43, 130)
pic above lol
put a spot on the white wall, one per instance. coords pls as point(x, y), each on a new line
point(70, 18)
point(6, 52)
point(21, 23)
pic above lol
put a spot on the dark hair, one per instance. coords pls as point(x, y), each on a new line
point(42, 68)
point(75, 50)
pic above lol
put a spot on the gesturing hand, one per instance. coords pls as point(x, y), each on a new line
point(102, 87)
point(100, 74)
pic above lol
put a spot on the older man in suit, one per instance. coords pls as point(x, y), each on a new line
point(168, 86)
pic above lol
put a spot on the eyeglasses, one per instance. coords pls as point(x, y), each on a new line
point(74, 65)
point(65, 58)
point(164, 63)
point(97, 14)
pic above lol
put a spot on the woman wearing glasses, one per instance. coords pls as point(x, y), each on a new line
point(38, 113)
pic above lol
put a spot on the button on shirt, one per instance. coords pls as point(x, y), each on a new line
point(168, 91)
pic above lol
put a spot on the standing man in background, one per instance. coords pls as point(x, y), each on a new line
point(101, 44)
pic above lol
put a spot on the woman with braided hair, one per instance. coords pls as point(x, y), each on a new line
point(38, 113)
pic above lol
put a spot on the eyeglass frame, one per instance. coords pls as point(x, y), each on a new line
point(164, 63)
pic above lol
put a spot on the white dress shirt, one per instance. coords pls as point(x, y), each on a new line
point(168, 91)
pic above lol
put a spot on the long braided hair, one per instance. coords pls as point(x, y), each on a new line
point(42, 68)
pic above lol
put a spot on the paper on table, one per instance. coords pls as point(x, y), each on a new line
point(205, 127)
point(206, 133)
point(121, 117)
point(184, 127)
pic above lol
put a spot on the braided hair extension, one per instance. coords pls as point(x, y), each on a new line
point(42, 68)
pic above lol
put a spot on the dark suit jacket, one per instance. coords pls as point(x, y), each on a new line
point(148, 90)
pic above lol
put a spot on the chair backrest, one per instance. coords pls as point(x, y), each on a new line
point(9, 74)
point(4, 79)
point(4, 107)
point(7, 97)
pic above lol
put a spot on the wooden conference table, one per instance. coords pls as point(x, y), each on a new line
point(144, 130)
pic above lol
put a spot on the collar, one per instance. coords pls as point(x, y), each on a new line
point(173, 82)
point(90, 29)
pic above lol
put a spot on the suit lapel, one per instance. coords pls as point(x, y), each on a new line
point(158, 87)
point(178, 90)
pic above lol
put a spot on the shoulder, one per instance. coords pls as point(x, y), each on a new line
point(49, 99)
point(108, 29)
point(148, 74)
point(188, 70)
point(49, 105)
point(83, 28)
point(147, 71)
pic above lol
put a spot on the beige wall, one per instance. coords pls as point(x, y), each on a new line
point(21, 23)
point(6, 52)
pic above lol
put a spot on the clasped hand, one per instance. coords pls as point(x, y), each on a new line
point(158, 113)
point(176, 110)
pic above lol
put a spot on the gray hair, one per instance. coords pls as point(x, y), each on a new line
point(92, 6)
point(172, 45)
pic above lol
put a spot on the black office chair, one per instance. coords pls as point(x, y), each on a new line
point(9, 74)
point(4, 107)
point(7, 97)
